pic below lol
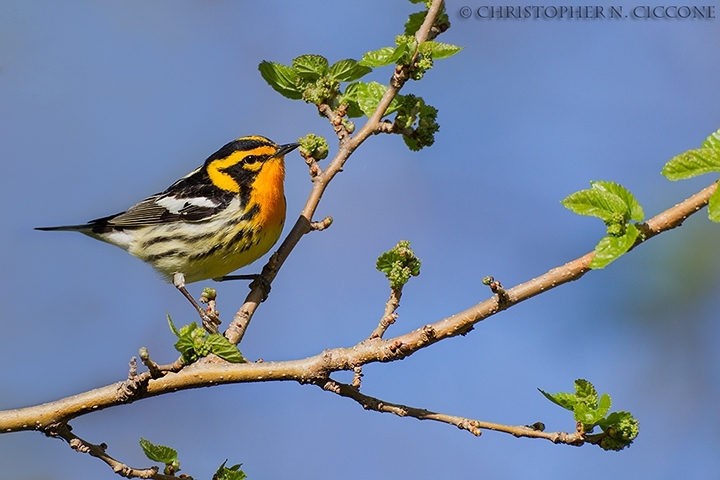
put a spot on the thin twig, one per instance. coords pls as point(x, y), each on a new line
point(473, 426)
point(389, 316)
point(157, 371)
point(357, 377)
point(335, 118)
point(152, 367)
point(98, 451)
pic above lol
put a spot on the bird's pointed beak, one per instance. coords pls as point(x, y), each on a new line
point(285, 149)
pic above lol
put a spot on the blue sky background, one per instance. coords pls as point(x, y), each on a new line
point(103, 103)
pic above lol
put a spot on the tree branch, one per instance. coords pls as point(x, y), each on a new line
point(206, 373)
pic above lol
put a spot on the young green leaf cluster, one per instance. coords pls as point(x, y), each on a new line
point(314, 146)
point(413, 111)
point(696, 162)
point(169, 457)
point(399, 264)
point(195, 342)
point(614, 205)
point(311, 78)
point(619, 428)
point(162, 454)
point(229, 473)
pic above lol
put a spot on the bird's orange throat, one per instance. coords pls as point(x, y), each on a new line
point(268, 193)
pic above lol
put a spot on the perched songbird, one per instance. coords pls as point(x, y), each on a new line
point(218, 218)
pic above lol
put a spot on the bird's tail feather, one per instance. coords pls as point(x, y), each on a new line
point(66, 228)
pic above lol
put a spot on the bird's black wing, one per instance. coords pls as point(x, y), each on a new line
point(193, 198)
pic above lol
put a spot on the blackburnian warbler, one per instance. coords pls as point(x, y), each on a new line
point(220, 217)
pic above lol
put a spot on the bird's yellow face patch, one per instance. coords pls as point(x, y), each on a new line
point(251, 160)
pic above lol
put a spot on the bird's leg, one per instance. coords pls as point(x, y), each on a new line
point(251, 276)
point(209, 320)
point(257, 280)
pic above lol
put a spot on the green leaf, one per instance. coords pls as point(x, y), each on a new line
point(565, 400)
point(310, 67)
point(282, 78)
point(367, 96)
point(597, 203)
point(172, 325)
point(159, 453)
point(604, 404)
point(348, 70)
point(387, 55)
point(380, 58)
point(414, 22)
point(695, 162)
point(692, 163)
point(186, 347)
point(223, 348)
point(229, 473)
point(350, 97)
point(186, 343)
point(610, 248)
point(714, 206)
point(384, 264)
point(586, 393)
point(615, 418)
point(437, 50)
point(633, 206)
point(586, 415)
point(712, 141)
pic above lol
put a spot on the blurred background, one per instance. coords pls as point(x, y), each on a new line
point(104, 103)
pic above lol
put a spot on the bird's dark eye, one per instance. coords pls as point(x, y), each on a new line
point(250, 159)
